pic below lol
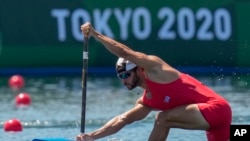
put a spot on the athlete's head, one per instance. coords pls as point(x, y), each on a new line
point(126, 71)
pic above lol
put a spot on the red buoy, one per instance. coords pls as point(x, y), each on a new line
point(23, 99)
point(13, 125)
point(16, 82)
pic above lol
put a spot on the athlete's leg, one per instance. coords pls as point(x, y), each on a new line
point(159, 133)
point(219, 134)
point(219, 119)
point(186, 117)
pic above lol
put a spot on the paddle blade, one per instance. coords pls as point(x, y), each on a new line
point(52, 139)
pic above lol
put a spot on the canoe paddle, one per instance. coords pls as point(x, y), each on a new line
point(84, 81)
point(84, 92)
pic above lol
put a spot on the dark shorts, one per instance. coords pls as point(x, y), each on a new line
point(219, 116)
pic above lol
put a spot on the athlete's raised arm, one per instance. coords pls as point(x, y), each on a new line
point(121, 50)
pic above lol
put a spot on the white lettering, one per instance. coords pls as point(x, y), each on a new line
point(239, 132)
point(123, 20)
point(60, 15)
point(222, 25)
point(186, 23)
point(79, 16)
point(165, 31)
point(141, 23)
point(205, 17)
point(101, 21)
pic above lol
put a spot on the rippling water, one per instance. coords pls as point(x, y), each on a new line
point(56, 107)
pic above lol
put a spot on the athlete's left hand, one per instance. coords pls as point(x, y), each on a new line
point(84, 137)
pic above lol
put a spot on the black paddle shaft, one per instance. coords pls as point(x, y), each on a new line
point(84, 82)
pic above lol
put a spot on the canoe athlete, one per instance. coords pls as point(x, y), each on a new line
point(182, 100)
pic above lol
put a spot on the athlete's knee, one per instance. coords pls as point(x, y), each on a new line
point(163, 119)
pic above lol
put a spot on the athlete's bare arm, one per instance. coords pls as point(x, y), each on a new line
point(122, 50)
point(137, 113)
point(154, 67)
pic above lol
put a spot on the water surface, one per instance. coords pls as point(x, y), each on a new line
point(56, 107)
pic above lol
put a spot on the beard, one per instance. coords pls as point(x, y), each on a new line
point(134, 83)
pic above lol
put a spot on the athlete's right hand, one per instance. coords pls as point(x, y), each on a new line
point(84, 137)
point(87, 29)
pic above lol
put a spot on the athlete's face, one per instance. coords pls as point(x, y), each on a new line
point(129, 79)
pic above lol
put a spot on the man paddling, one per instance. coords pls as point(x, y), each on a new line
point(182, 101)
